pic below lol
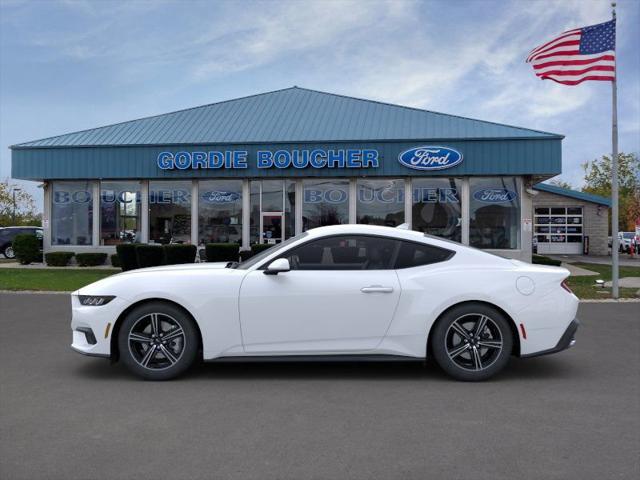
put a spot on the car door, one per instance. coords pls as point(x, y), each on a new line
point(339, 297)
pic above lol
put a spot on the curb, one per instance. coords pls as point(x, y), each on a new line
point(34, 292)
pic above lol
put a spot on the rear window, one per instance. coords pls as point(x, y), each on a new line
point(417, 254)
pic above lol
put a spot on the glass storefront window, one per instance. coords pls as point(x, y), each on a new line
point(380, 202)
point(324, 202)
point(254, 216)
point(220, 211)
point(436, 208)
point(290, 209)
point(72, 213)
point(119, 212)
point(494, 211)
point(170, 212)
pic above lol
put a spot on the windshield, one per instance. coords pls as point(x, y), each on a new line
point(628, 234)
point(265, 253)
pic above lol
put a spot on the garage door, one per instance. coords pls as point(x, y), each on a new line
point(558, 229)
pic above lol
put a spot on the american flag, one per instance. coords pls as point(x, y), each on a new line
point(587, 53)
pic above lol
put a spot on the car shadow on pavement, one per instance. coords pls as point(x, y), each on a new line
point(518, 369)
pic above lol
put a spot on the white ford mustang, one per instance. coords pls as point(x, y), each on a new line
point(341, 292)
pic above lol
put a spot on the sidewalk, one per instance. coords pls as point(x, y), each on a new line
point(40, 266)
point(624, 259)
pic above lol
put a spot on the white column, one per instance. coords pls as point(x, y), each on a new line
point(95, 236)
point(526, 213)
point(194, 212)
point(465, 201)
point(144, 211)
point(298, 212)
point(46, 216)
point(408, 202)
point(353, 192)
point(246, 214)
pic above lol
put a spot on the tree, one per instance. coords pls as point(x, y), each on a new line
point(558, 182)
point(25, 207)
point(597, 179)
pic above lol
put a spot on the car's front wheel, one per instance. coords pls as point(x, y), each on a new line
point(158, 341)
point(472, 342)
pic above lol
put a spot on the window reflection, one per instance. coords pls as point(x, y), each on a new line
point(325, 202)
point(72, 213)
point(220, 211)
point(119, 212)
point(170, 212)
point(494, 213)
point(436, 207)
point(380, 202)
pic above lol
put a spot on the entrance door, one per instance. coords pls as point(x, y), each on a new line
point(272, 231)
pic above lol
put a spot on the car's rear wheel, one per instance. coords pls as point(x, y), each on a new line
point(158, 341)
point(8, 252)
point(472, 342)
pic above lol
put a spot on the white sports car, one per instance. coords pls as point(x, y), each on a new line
point(333, 293)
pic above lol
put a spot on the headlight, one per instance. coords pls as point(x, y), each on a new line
point(95, 300)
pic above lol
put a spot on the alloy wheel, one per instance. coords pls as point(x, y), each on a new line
point(156, 341)
point(9, 253)
point(473, 341)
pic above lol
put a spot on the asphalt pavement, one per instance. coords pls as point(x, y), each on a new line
point(574, 415)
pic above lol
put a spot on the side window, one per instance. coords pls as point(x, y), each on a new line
point(416, 254)
point(345, 252)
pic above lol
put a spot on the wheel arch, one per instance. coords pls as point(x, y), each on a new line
point(115, 331)
point(512, 324)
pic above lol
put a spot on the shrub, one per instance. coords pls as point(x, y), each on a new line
point(127, 256)
point(222, 252)
point(90, 259)
point(542, 260)
point(115, 261)
point(245, 255)
point(27, 248)
point(149, 256)
point(176, 253)
point(58, 259)
point(259, 247)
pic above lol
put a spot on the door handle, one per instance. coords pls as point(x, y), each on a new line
point(376, 289)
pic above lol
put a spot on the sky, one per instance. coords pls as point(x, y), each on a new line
point(72, 65)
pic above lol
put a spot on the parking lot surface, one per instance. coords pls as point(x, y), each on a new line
point(64, 416)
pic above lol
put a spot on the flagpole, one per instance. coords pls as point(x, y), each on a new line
point(614, 177)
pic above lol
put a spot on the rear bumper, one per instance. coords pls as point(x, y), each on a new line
point(566, 341)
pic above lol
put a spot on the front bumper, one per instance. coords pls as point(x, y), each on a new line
point(567, 340)
point(92, 326)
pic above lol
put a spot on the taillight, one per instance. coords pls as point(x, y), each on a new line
point(565, 285)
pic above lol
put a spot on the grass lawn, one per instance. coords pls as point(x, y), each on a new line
point(584, 287)
point(66, 280)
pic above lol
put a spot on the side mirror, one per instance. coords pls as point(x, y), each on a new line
point(277, 266)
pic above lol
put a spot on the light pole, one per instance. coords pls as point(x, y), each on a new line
point(14, 203)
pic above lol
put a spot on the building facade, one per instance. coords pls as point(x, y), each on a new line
point(263, 168)
point(570, 222)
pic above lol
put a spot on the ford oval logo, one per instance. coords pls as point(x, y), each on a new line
point(219, 197)
point(495, 195)
point(430, 158)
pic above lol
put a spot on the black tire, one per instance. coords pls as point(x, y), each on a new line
point(8, 252)
point(163, 355)
point(459, 356)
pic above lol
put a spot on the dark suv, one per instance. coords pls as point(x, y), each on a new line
point(7, 234)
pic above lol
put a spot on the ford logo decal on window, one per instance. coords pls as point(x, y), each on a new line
point(495, 195)
point(430, 158)
point(219, 197)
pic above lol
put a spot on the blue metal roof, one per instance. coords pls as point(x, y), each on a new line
point(565, 192)
point(291, 115)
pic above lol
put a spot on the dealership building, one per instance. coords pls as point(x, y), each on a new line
point(263, 168)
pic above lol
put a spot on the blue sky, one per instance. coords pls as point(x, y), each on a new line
point(72, 65)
